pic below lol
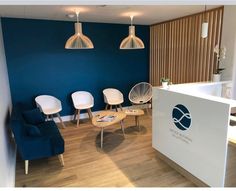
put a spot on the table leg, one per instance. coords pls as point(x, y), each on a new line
point(136, 121)
point(102, 138)
point(138, 124)
point(122, 127)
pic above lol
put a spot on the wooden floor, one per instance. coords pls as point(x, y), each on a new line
point(123, 162)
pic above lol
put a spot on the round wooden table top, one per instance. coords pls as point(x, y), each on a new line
point(99, 120)
point(134, 112)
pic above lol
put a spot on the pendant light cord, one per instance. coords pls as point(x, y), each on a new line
point(205, 13)
point(77, 16)
point(131, 19)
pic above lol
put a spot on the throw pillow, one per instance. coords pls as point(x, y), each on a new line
point(33, 116)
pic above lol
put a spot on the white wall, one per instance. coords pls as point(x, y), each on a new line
point(229, 41)
point(7, 150)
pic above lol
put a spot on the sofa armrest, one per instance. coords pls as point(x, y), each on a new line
point(35, 148)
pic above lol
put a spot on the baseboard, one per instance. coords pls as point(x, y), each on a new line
point(85, 115)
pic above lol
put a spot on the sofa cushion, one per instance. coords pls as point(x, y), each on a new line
point(33, 130)
point(49, 128)
point(33, 116)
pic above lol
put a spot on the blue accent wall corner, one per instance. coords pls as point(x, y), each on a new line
point(38, 63)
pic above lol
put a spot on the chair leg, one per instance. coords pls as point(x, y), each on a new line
point(116, 108)
point(47, 117)
point(102, 138)
point(147, 111)
point(75, 115)
point(78, 116)
point(106, 108)
point(26, 166)
point(90, 113)
point(151, 104)
point(61, 159)
point(110, 107)
point(120, 107)
point(59, 117)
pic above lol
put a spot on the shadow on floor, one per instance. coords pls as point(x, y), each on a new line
point(112, 140)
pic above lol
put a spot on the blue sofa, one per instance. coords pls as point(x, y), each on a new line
point(35, 138)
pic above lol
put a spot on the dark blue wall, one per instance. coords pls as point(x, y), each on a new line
point(38, 63)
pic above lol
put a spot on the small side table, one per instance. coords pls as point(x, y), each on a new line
point(118, 118)
point(136, 113)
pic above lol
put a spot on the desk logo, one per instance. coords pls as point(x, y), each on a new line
point(181, 117)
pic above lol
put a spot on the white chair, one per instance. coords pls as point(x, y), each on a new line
point(113, 97)
point(141, 94)
point(50, 106)
point(82, 100)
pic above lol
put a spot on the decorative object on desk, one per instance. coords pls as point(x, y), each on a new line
point(165, 82)
point(78, 40)
point(220, 56)
point(217, 75)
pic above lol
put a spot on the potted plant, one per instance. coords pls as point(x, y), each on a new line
point(165, 82)
point(217, 75)
point(220, 55)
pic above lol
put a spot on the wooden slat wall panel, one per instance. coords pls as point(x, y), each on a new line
point(178, 52)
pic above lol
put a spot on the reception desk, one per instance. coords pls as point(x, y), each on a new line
point(192, 131)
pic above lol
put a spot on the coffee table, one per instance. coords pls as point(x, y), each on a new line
point(99, 120)
point(136, 113)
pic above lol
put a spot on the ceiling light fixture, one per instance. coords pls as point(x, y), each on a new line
point(78, 40)
point(132, 42)
point(204, 26)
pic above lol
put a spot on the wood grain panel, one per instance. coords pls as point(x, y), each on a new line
point(178, 52)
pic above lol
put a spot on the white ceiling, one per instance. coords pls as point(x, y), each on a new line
point(145, 14)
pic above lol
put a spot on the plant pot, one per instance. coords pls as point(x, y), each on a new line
point(164, 84)
point(216, 77)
